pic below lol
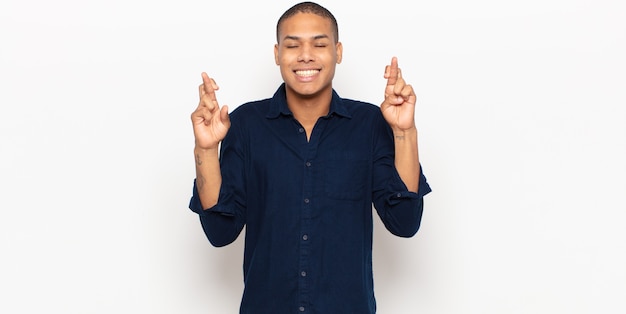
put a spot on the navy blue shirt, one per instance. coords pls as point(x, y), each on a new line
point(307, 205)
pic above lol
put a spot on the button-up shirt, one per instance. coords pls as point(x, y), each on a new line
point(307, 204)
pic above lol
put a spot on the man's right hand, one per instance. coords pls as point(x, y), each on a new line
point(210, 122)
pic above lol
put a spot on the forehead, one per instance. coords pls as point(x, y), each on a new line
point(306, 25)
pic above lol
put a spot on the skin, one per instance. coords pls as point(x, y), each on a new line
point(307, 44)
point(307, 54)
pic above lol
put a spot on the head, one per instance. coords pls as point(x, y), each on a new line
point(307, 49)
point(308, 7)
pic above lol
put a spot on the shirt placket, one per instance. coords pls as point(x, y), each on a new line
point(307, 235)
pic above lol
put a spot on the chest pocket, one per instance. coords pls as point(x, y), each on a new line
point(347, 179)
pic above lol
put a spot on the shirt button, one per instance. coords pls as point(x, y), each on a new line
point(305, 237)
point(301, 130)
point(301, 309)
point(308, 164)
point(303, 274)
point(399, 195)
point(306, 200)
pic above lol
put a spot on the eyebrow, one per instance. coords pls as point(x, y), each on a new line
point(323, 36)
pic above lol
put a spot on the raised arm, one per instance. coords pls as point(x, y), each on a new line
point(398, 108)
point(210, 125)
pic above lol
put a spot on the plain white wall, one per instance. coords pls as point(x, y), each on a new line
point(522, 118)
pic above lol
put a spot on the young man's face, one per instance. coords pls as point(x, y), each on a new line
point(307, 54)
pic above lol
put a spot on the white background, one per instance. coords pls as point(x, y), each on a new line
point(522, 119)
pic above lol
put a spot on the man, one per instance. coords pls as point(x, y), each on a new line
point(301, 171)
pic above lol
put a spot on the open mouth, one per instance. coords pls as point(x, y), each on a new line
point(307, 73)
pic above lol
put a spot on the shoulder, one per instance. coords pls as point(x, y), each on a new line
point(366, 116)
point(361, 109)
point(251, 110)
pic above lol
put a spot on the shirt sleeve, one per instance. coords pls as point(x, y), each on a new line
point(223, 222)
point(399, 209)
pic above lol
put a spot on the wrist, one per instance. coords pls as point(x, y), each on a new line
point(199, 150)
point(404, 133)
point(202, 144)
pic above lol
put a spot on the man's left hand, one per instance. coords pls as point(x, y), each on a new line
point(398, 108)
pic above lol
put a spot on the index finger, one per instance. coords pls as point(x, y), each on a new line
point(392, 72)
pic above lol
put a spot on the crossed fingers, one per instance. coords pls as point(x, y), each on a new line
point(396, 86)
point(207, 93)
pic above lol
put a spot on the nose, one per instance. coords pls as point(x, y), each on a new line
point(305, 53)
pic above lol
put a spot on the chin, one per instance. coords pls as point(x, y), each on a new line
point(299, 89)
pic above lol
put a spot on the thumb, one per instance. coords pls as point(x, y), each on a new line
point(224, 114)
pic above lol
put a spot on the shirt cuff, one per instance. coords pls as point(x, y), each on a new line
point(196, 206)
point(400, 192)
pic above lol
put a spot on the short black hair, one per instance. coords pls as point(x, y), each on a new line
point(308, 7)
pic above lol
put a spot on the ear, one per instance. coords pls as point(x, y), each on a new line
point(339, 49)
point(276, 54)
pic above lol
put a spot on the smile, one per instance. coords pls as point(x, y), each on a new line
point(307, 73)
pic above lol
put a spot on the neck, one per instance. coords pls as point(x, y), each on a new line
point(308, 109)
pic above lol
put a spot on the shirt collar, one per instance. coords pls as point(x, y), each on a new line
point(278, 105)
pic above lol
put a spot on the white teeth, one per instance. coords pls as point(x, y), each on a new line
point(307, 72)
